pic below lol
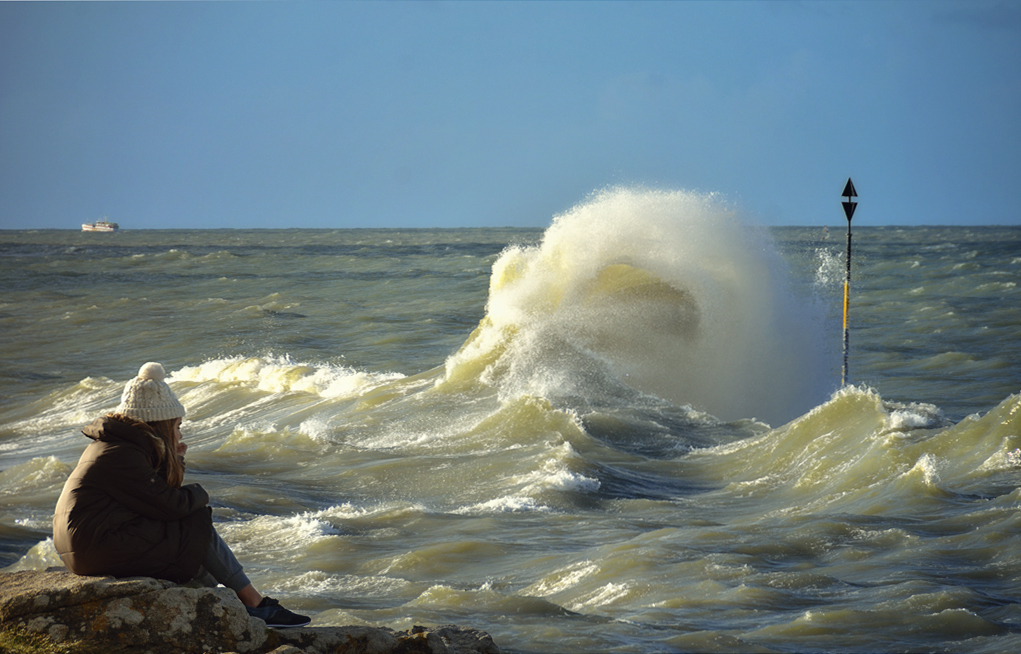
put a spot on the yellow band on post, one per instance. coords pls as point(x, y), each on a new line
point(846, 295)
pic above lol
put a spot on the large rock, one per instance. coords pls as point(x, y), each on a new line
point(158, 617)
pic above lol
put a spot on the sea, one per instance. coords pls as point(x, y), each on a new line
point(625, 432)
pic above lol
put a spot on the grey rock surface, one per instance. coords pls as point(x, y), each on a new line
point(158, 617)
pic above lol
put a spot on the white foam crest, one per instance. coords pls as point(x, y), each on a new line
point(524, 492)
point(553, 478)
point(33, 477)
point(555, 474)
point(270, 535)
point(316, 428)
point(1011, 459)
point(41, 556)
point(608, 594)
point(562, 579)
point(666, 291)
point(282, 375)
point(53, 423)
point(928, 466)
point(323, 584)
point(507, 504)
point(424, 430)
point(268, 440)
point(906, 417)
point(348, 511)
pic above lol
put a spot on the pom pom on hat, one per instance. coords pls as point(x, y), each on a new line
point(152, 370)
point(148, 398)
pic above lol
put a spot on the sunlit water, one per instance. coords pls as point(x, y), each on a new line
point(622, 433)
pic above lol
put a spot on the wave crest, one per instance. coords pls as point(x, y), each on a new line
point(667, 292)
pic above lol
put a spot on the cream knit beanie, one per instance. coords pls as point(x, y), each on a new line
point(148, 398)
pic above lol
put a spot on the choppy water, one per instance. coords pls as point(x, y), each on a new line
point(623, 433)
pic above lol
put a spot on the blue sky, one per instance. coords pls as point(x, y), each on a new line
point(436, 114)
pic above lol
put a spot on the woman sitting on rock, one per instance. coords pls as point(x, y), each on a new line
point(123, 511)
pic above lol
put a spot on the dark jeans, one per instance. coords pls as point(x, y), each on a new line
point(220, 566)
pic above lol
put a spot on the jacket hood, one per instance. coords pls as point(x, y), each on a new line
point(110, 430)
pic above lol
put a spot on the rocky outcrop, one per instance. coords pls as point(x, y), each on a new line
point(158, 617)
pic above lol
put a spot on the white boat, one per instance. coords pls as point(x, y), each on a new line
point(103, 225)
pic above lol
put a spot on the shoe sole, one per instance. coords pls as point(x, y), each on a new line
point(288, 626)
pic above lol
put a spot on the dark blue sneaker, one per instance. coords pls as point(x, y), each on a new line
point(274, 615)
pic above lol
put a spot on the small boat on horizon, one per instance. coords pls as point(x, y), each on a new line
point(103, 225)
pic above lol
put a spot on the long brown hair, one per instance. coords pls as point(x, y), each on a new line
point(170, 464)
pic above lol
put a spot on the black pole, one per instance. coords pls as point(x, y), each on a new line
point(849, 207)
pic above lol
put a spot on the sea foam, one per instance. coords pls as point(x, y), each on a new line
point(669, 292)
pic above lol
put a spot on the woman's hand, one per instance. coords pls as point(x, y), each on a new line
point(182, 447)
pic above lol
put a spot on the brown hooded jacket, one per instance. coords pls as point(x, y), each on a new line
point(117, 516)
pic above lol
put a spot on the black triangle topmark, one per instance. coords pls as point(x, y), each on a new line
point(849, 191)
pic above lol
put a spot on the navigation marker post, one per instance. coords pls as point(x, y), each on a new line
point(849, 207)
